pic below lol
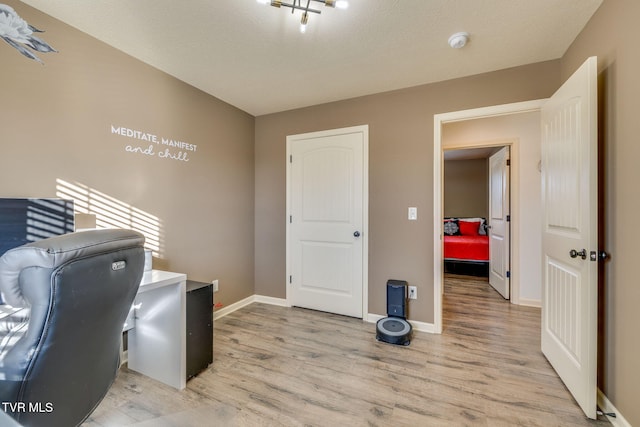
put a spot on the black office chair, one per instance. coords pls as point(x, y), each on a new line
point(65, 300)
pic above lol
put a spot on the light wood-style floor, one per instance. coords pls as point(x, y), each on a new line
point(293, 367)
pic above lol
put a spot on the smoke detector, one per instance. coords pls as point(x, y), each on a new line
point(458, 40)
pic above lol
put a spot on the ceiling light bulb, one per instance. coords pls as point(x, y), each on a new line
point(303, 22)
point(458, 40)
point(342, 4)
point(263, 1)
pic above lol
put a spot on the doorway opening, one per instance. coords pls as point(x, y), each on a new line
point(464, 129)
point(476, 207)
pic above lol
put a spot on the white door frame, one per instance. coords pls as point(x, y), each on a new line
point(438, 166)
point(364, 129)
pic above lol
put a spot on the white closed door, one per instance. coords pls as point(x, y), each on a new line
point(326, 221)
point(569, 234)
point(499, 249)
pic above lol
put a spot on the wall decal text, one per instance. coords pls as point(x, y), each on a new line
point(165, 146)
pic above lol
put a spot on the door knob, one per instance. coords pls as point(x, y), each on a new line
point(356, 234)
point(574, 254)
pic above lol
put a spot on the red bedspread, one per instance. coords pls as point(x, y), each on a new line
point(470, 248)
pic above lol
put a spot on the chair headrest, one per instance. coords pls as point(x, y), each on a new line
point(55, 251)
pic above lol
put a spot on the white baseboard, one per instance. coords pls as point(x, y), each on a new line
point(372, 318)
point(530, 302)
point(607, 407)
point(249, 300)
point(416, 325)
point(233, 307)
point(282, 302)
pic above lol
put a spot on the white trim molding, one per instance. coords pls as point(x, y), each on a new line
point(282, 302)
point(249, 300)
point(530, 302)
point(607, 407)
point(233, 307)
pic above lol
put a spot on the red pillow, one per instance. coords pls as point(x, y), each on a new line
point(469, 228)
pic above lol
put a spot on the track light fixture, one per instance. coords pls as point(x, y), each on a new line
point(298, 5)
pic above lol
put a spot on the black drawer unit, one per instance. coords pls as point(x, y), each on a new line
point(199, 327)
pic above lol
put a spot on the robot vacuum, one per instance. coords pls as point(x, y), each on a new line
point(395, 329)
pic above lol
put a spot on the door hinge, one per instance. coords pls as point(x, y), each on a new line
point(290, 219)
point(508, 218)
point(290, 279)
point(290, 158)
point(508, 274)
point(508, 162)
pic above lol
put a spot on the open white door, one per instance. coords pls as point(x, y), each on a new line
point(499, 250)
point(569, 235)
point(327, 220)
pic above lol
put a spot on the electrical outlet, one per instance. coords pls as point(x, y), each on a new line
point(413, 214)
point(215, 285)
point(413, 292)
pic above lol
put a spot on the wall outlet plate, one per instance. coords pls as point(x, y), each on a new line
point(413, 292)
point(413, 214)
point(215, 285)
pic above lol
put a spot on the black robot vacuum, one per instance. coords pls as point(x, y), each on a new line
point(395, 329)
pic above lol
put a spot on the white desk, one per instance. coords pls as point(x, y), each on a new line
point(157, 342)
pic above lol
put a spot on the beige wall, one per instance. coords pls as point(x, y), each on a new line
point(612, 35)
point(400, 173)
point(466, 188)
point(56, 125)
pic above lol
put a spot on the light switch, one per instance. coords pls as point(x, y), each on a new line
point(413, 214)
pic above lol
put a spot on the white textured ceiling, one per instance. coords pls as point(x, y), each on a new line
point(254, 57)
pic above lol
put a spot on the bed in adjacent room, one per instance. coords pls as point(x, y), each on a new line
point(466, 246)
